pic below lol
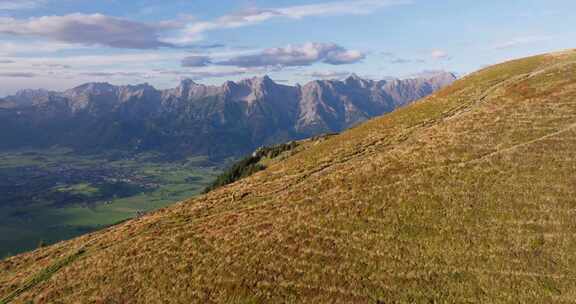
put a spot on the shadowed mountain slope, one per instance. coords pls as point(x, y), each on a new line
point(465, 196)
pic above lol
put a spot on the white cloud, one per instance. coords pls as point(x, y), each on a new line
point(109, 31)
point(130, 67)
point(193, 31)
point(439, 55)
point(297, 55)
point(338, 56)
point(338, 8)
point(94, 29)
point(196, 61)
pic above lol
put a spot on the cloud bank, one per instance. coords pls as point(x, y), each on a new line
point(94, 29)
point(440, 55)
point(298, 55)
point(196, 61)
point(193, 32)
point(328, 74)
point(115, 32)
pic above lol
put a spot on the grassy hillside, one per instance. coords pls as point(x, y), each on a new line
point(466, 196)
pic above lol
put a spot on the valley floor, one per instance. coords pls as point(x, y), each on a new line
point(56, 194)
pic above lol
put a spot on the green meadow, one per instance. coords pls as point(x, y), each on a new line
point(51, 195)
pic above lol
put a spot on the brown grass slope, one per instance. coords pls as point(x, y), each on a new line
point(466, 196)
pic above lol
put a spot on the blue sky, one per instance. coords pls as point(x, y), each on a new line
point(57, 44)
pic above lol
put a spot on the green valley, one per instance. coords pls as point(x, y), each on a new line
point(55, 194)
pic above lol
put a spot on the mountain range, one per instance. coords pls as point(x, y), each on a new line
point(218, 121)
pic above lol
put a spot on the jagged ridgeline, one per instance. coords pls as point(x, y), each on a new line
point(194, 119)
point(466, 196)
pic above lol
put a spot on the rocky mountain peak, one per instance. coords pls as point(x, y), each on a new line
point(267, 80)
point(96, 86)
point(183, 89)
point(91, 88)
point(187, 82)
point(28, 97)
point(354, 77)
point(31, 92)
point(229, 86)
point(355, 80)
point(438, 79)
point(258, 82)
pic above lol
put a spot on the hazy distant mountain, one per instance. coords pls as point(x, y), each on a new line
point(192, 118)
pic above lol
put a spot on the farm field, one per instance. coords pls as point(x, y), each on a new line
point(56, 194)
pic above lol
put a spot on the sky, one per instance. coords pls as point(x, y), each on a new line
point(59, 44)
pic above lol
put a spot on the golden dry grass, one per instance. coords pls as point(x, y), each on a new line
point(466, 196)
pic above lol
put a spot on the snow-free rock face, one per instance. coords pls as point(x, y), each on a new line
point(193, 118)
